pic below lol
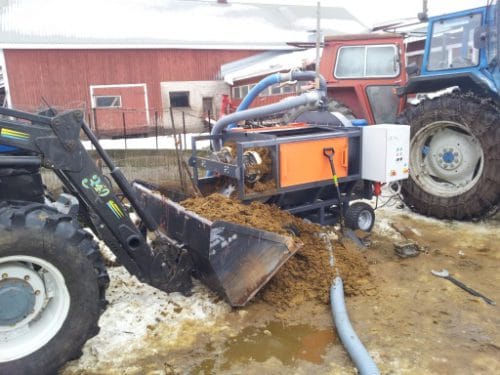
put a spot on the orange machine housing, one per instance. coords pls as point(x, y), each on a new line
point(304, 162)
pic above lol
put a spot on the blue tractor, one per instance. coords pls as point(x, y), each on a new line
point(454, 155)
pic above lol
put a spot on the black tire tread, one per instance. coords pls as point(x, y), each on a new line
point(333, 106)
point(481, 116)
point(352, 213)
point(18, 215)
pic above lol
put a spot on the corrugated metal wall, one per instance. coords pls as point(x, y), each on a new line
point(63, 77)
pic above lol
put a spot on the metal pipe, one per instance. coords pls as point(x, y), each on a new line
point(358, 353)
point(313, 97)
point(20, 161)
point(310, 75)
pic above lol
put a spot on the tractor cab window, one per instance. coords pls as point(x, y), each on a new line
point(493, 35)
point(452, 43)
point(377, 61)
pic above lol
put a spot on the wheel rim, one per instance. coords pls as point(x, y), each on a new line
point(34, 305)
point(365, 220)
point(446, 159)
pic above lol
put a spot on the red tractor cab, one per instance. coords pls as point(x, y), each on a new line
point(362, 74)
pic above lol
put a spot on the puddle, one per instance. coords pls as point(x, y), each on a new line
point(286, 343)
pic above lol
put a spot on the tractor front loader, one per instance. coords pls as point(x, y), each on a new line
point(52, 277)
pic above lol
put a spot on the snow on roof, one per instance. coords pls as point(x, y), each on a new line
point(266, 63)
point(162, 24)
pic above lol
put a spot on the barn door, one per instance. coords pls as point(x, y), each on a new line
point(119, 109)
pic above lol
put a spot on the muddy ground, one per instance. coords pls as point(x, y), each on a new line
point(410, 321)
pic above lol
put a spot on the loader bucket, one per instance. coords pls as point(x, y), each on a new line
point(234, 260)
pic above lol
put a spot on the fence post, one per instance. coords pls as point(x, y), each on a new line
point(90, 125)
point(184, 130)
point(179, 166)
point(156, 128)
point(210, 128)
point(95, 122)
point(124, 129)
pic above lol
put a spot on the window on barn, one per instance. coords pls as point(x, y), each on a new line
point(244, 91)
point(179, 98)
point(108, 101)
point(236, 92)
point(275, 89)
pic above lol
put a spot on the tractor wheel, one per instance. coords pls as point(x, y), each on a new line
point(52, 285)
point(336, 106)
point(296, 115)
point(454, 157)
point(360, 215)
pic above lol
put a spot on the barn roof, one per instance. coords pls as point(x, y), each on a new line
point(163, 24)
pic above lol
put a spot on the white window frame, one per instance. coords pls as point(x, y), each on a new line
point(5, 79)
point(366, 46)
point(143, 85)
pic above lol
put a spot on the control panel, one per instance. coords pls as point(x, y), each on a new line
point(385, 152)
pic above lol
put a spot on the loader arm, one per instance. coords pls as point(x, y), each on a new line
point(56, 141)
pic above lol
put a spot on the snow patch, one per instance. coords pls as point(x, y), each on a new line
point(165, 142)
point(135, 309)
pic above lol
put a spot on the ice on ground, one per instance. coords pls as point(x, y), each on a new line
point(135, 309)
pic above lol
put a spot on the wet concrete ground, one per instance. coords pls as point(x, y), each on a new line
point(411, 322)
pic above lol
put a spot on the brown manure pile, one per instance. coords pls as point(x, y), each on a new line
point(307, 276)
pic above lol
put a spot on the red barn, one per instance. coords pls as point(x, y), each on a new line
point(128, 64)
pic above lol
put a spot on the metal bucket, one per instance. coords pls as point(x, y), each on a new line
point(234, 260)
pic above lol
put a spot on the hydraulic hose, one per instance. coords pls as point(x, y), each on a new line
point(313, 97)
point(258, 88)
point(358, 353)
point(274, 79)
point(278, 78)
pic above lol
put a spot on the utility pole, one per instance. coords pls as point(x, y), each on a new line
point(318, 43)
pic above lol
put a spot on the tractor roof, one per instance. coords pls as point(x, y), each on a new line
point(339, 38)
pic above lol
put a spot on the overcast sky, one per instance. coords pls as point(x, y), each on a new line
point(375, 11)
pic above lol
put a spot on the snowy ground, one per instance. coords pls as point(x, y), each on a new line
point(165, 142)
point(134, 311)
point(416, 324)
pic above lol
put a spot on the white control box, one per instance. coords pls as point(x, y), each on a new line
point(385, 152)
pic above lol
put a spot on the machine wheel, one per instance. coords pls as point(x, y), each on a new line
point(333, 106)
point(454, 157)
point(360, 215)
point(52, 285)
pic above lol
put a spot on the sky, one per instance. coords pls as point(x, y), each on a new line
point(371, 12)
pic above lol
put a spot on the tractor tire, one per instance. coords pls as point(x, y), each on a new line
point(333, 106)
point(52, 288)
point(336, 106)
point(454, 157)
point(360, 215)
